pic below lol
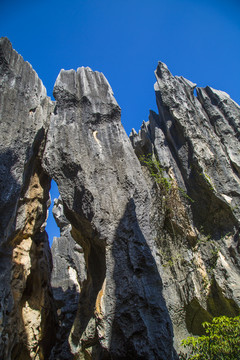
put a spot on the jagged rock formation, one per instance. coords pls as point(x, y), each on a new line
point(196, 140)
point(26, 308)
point(148, 249)
point(122, 313)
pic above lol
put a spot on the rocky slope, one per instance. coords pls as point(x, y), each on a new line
point(149, 244)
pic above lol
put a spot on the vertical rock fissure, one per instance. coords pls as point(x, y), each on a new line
point(31, 290)
point(79, 269)
point(85, 325)
point(52, 227)
point(83, 337)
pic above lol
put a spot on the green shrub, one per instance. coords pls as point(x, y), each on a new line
point(221, 342)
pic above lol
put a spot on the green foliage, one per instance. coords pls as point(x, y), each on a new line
point(159, 175)
point(171, 260)
point(214, 257)
point(208, 180)
point(156, 172)
point(221, 342)
point(183, 192)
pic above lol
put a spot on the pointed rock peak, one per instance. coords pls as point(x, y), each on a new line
point(85, 68)
point(133, 133)
point(13, 63)
point(152, 113)
point(143, 124)
point(164, 76)
point(162, 71)
point(5, 43)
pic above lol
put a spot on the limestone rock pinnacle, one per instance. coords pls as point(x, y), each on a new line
point(106, 199)
point(26, 310)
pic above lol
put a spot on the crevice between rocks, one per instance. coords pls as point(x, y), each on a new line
point(83, 337)
point(31, 268)
point(79, 270)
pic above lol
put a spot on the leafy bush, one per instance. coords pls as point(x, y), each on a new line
point(221, 342)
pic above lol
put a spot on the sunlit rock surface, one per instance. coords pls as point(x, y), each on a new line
point(149, 226)
point(196, 141)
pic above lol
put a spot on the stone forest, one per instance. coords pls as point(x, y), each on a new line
point(149, 223)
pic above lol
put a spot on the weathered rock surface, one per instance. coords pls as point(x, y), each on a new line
point(122, 313)
point(196, 140)
point(148, 249)
point(25, 260)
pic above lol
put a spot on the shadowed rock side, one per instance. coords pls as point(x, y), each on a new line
point(195, 141)
point(68, 275)
point(26, 311)
point(138, 318)
point(99, 177)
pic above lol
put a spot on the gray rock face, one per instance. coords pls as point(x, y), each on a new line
point(122, 313)
point(25, 304)
point(196, 141)
point(24, 114)
point(198, 137)
point(148, 249)
point(196, 128)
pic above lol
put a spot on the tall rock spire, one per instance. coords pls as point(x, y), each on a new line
point(26, 310)
point(122, 313)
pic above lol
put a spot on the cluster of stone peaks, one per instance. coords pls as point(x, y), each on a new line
point(149, 225)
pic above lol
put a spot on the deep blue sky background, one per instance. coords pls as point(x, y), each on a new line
point(124, 39)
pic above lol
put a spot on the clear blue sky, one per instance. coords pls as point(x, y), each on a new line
point(124, 39)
